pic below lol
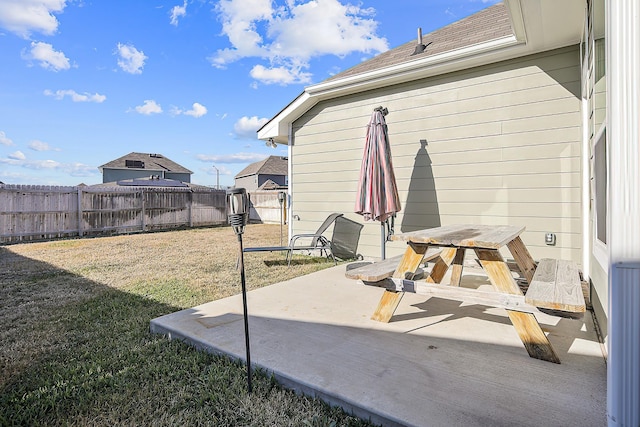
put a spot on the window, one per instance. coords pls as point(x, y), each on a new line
point(600, 187)
point(594, 93)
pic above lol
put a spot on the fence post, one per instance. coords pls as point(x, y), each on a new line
point(80, 212)
point(144, 214)
point(190, 208)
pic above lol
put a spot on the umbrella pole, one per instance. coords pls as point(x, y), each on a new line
point(383, 240)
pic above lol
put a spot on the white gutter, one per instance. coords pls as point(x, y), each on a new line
point(538, 25)
point(499, 49)
point(413, 70)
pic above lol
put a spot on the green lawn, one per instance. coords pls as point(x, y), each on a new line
point(76, 347)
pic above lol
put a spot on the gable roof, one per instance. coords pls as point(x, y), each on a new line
point(489, 24)
point(270, 185)
point(145, 161)
point(507, 30)
point(272, 165)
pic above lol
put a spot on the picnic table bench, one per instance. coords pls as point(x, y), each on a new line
point(384, 269)
point(556, 285)
point(553, 284)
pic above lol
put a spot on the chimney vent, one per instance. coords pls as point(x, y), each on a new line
point(420, 47)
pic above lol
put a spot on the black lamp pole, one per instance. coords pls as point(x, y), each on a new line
point(281, 198)
point(238, 204)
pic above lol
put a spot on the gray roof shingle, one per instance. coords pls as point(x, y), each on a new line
point(152, 162)
point(489, 24)
point(272, 165)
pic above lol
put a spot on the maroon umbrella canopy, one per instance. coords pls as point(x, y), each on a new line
point(377, 197)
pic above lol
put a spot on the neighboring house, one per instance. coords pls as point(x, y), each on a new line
point(152, 167)
point(268, 174)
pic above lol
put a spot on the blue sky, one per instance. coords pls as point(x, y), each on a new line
point(83, 82)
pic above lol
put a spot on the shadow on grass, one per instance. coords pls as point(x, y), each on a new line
point(78, 352)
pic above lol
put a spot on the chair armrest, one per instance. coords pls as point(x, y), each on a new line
point(321, 239)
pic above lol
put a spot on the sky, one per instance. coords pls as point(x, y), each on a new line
point(84, 82)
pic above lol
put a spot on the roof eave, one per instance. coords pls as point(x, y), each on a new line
point(278, 127)
point(537, 25)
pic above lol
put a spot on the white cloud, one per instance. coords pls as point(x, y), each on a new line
point(49, 58)
point(232, 158)
point(197, 110)
point(75, 96)
point(281, 75)
point(36, 145)
point(211, 171)
point(131, 60)
point(177, 12)
point(73, 169)
point(294, 34)
point(247, 127)
point(22, 17)
point(4, 140)
point(149, 107)
point(18, 155)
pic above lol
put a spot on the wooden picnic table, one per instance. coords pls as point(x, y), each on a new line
point(486, 241)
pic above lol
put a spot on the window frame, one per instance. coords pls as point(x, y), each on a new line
point(600, 248)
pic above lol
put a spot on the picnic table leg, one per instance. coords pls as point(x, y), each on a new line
point(522, 257)
point(456, 273)
point(442, 265)
point(390, 299)
point(387, 306)
point(533, 337)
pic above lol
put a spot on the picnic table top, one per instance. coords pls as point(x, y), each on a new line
point(464, 235)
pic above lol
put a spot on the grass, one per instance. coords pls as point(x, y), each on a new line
point(76, 348)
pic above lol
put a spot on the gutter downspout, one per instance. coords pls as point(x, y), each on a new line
point(290, 186)
point(623, 226)
point(586, 148)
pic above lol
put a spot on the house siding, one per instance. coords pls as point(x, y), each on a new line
point(498, 144)
point(184, 177)
point(114, 175)
point(250, 183)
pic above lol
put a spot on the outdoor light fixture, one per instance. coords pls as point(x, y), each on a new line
point(238, 203)
point(238, 217)
point(271, 143)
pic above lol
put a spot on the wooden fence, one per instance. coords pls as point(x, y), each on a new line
point(266, 208)
point(29, 212)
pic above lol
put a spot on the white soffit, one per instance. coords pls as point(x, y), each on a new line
point(538, 25)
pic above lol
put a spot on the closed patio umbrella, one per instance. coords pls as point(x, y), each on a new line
point(377, 198)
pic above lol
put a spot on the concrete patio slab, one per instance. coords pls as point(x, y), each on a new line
point(439, 362)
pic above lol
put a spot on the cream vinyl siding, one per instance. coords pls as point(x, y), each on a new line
point(499, 144)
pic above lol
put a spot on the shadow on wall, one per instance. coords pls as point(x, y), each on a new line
point(421, 207)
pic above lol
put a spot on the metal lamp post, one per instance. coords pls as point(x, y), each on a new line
point(217, 177)
point(281, 198)
point(238, 217)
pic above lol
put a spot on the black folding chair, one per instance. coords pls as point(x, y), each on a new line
point(309, 242)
